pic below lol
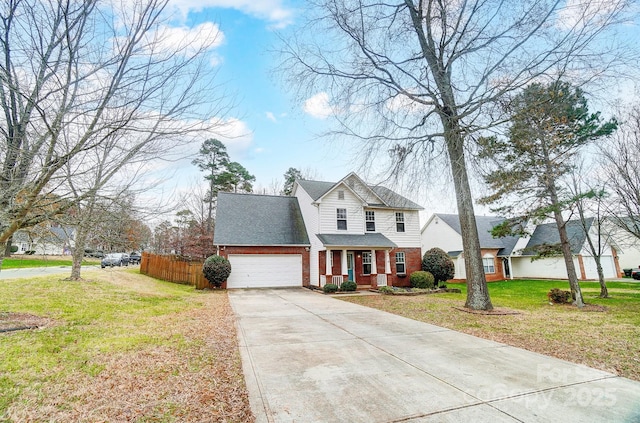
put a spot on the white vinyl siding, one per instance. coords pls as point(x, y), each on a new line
point(311, 223)
point(327, 213)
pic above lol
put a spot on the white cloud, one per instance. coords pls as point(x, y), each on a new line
point(318, 106)
point(580, 13)
point(271, 117)
point(235, 134)
point(206, 36)
point(271, 10)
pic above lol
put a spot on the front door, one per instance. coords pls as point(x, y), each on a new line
point(350, 272)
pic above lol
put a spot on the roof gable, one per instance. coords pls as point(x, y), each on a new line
point(485, 224)
point(250, 219)
point(547, 233)
point(371, 195)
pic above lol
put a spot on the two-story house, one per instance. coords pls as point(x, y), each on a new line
point(364, 233)
point(327, 232)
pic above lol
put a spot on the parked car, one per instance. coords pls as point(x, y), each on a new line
point(135, 257)
point(114, 259)
point(635, 274)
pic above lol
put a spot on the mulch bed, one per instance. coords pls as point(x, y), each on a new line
point(493, 312)
point(11, 322)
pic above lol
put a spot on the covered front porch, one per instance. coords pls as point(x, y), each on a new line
point(363, 259)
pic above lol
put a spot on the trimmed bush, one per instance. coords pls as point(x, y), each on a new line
point(559, 296)
point(216, 269)
point(385, 290)
point(421, 279)
point(437, 262)
point(348, 286)
point(14, 248)
point(330, 288)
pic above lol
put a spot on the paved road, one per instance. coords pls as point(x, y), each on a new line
point(312, 358)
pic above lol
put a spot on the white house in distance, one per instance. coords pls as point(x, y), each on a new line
point(511, 257)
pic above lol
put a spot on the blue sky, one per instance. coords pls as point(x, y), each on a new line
point(272, 131)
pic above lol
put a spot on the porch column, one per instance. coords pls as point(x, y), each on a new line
point(387, 263)
point(343, 263)
point(374, 265)
point(327, 267)
point(510, 268)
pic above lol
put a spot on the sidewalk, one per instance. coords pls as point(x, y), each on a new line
point(313, 358)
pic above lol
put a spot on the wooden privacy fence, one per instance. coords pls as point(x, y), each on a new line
point(172, 269)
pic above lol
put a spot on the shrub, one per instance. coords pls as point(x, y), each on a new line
point(437, 262)
point(348, 286)
point(385, 290)
point(216, 269)
point(14, 248)
point(330, 288)
point(422, 279)
point(559, 296)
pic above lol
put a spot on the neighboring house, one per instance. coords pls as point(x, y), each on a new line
point(512, 256)
point(443, 231)
point(364, 233)
point(345, 230)
point(264, 239)
point(45, 240)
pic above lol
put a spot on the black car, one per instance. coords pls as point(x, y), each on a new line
point(135, 258)
point(115, 259)
point(635, 274)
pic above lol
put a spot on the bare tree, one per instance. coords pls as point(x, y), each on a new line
point(76, 75)
point(418, 78)
point(619, 158)
point(591, 198)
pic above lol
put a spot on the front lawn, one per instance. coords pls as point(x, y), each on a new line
point(20, 262)
point(119, 347)
point(608, 340)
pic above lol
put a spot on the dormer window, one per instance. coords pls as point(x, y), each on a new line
point(370, 220)
point(341, 215)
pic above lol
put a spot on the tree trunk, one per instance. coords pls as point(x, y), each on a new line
point(477, 290)
point(7, 248)
point(576, 292)
point(604, 292)
point(78, 252)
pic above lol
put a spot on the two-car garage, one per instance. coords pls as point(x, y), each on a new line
point(265, 270)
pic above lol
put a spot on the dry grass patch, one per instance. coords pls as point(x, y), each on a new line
point(608, 339)
point(157, 352)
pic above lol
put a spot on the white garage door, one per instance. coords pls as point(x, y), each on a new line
point(265, 270)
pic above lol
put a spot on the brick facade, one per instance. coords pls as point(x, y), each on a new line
point(413, 262)
point(226, 250)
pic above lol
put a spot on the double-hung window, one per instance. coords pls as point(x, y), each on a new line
point(488, 264)
point(370, 220)
point(366, 263)
point(399, 222)
point(341, 215)
point(400, 267)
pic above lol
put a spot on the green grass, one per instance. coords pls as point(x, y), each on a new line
point(93, 319)
point(608, 340)
point(30, 261)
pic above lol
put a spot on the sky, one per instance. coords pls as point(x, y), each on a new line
point(273, 130)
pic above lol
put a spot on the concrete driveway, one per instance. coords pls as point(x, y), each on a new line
point(308, 357)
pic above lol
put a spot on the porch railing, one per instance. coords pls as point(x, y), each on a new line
point(381, 280)
point(337, 280)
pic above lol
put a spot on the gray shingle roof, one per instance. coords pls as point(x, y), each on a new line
point(317, 189)
point(353, 240)
point(547, 233)
point(485, 224)
point(249, 219)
